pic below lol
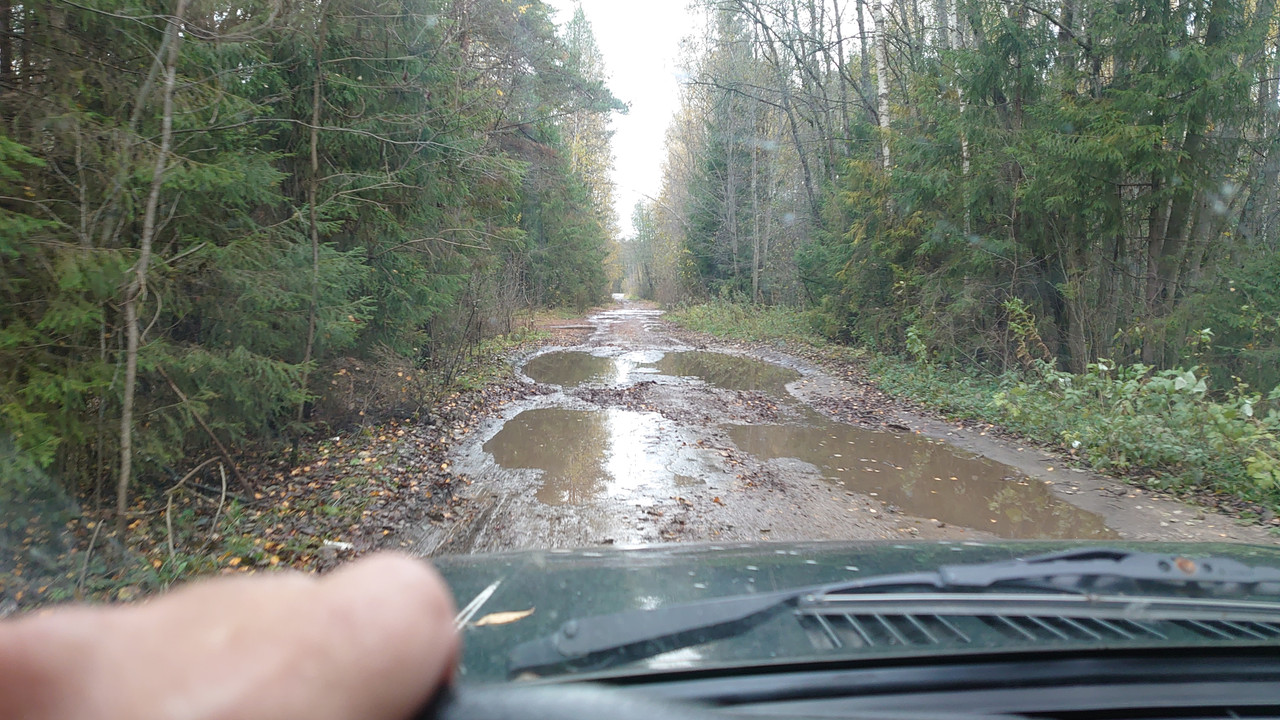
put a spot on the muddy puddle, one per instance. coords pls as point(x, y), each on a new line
point(729, 372)
point(570, 369)
point(924, 478)
point(590, 455)
point(586, 455)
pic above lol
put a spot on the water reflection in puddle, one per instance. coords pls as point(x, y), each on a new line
point(584, 454)
point(729, 371)
point(587, 455)
point(925, 478)
point(572, 368)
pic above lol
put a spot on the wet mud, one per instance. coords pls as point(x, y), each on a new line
point(637, 436)
point(925, 478)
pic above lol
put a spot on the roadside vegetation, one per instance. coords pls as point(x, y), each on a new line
point(357, 487)
point(988, 184)
point(1168, 429)
point(1060, 217)
point(230, 229)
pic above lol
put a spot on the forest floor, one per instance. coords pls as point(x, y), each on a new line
point(631, 430)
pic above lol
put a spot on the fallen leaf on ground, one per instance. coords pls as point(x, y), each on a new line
point(503, 618)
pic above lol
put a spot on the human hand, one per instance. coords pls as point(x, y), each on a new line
point(373, 640)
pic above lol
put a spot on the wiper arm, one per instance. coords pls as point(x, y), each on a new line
point(618, 638)
point(1092, 563)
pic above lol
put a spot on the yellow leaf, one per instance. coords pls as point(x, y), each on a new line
point(503, 618)
point(233, 562)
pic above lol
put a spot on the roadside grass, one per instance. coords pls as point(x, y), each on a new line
point(487, 363)
point(1164, 429)
point(752, 323)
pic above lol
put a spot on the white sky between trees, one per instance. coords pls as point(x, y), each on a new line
point(640, 41)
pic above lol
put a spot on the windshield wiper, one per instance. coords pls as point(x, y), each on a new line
point(619, 638)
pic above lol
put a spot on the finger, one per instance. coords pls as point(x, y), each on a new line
point(393, 638)
point(373, 640)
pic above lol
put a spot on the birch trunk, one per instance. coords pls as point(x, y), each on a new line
point(136, 291)
point(879, 17)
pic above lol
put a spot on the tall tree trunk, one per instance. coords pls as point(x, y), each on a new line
point(942, 11)
point(817, 30)
point(1077, 310)
point(840, 71)
point(961, 41)
point(881, 20)
point(788, 108)
point(731, 196)
point(6, 40)
point(1110, 283)
point(1263, 174)
point(1167, 252)
point(767, 222)
point(136, 290)
point(864, 56)
point(755, 210)
point(313, 198)
point(1155, 246)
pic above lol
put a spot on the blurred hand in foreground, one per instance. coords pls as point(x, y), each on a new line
point(373, 640)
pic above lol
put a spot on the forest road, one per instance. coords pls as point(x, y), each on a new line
point(645, 433)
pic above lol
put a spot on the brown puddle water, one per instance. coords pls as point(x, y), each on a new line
point(572, 368)
point(925, 478)
point(585, 455)
point(729, 372)
point(590, 455)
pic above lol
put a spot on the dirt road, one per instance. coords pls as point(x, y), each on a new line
point(644, 434)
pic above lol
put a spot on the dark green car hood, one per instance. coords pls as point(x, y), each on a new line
point(534, 592)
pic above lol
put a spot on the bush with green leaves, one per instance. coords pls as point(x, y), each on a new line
point(1134, 419)
point(762, 323)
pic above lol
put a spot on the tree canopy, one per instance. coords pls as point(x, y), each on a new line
point(207, 208)
point(995, 182)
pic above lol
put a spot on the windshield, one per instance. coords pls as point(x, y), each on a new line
point(289, 283)
point(670, 608)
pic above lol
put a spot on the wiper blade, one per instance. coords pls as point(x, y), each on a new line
point(1093, 563)
point(619, 638)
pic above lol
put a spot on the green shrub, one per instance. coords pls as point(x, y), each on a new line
point(1167, 423)
point(756, 323)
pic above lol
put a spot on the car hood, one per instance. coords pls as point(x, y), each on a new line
point(510, 598)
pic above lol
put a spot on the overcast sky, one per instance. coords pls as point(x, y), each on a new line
point(640, 42)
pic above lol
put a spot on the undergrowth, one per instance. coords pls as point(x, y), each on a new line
point(755, 323)
point(54, 547)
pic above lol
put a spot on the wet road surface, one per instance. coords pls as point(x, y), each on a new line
point(633, 438)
